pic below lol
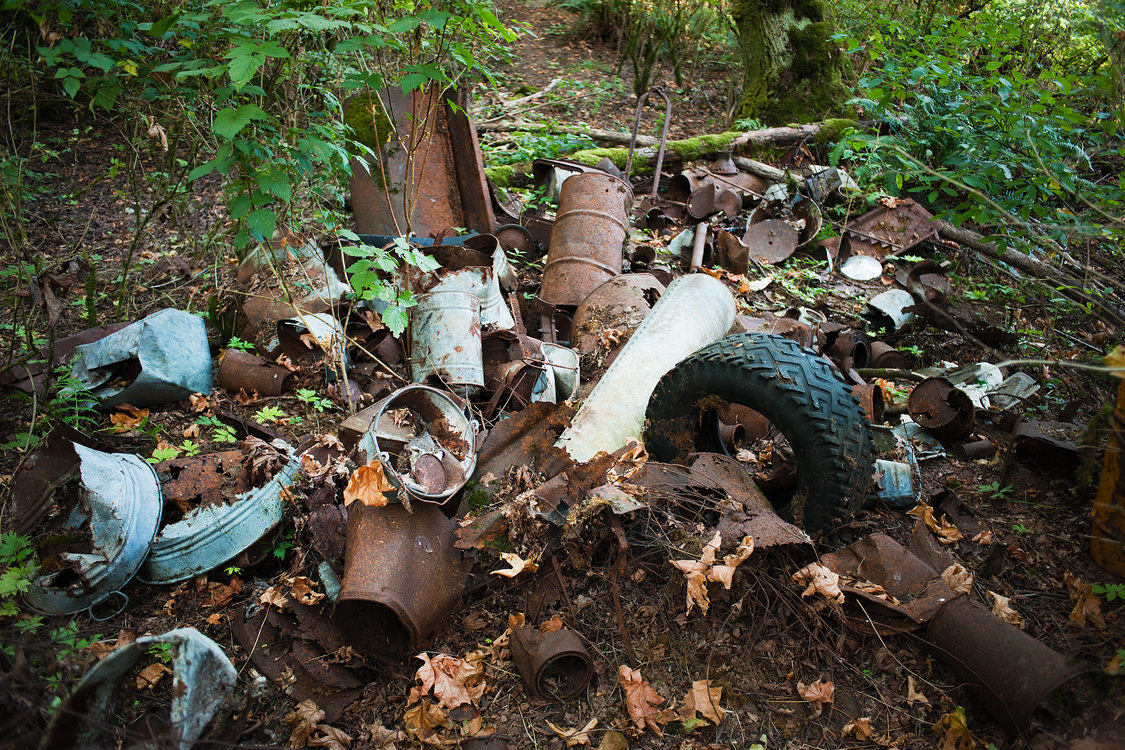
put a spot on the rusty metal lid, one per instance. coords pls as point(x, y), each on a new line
point(771, 241)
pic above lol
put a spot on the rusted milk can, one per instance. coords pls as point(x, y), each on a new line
point(590, 227)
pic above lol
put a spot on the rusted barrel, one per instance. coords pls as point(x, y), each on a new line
point(590, 227)
point(402, 576)
point(445, 340)
point(1107, 536)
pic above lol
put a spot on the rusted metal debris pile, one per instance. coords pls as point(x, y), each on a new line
point(481, 447)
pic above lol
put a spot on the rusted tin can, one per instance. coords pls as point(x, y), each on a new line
point(885, 356)
point(240, 370)
point(1005, 669)
point(870, 397)
point(555, 665)
point(1107, 536)
point(445, 340)
point(402, 577)
point(590, 227)
point(941, 409)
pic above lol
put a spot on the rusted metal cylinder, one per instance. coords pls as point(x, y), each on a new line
point(870, 397)
point(974, 450)
point(445, 340)
point(1107, 536)
point(555, 665)
point(885, 356)
point(402, 577)
point(941, 409)
point(850, 346)
point(590, 227)
point(1005, 669)
point(241, 370)
point(733, 436)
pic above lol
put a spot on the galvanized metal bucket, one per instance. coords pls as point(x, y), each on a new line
point(445, 340)
point(590, 227)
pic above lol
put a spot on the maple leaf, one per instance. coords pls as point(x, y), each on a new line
point(1003, 609)
point(454, 682)
point(860, 727)
point(329, 737)
point(574, 737)
point(368, 484)
point(819, 579)
point(127, 417)
point(385, 739)
point(699, 572)
point(273, 596)
point(704, 700)
point(424, 721)
point(958, 579)
point(300, 588)
point(151, 675)
point(955, 731)
point(1087, 606)
point(199, 402)
point(304, 719)
point(947, 533)
point(640, 701)
point(516, 565)
point(913, 694)
point(820, 692)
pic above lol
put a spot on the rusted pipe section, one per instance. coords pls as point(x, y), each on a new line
point(555, 665)
point(402, 577)
point(241, 370)
point(700, 244)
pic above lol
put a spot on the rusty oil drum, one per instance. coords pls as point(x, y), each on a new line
point(590, 228)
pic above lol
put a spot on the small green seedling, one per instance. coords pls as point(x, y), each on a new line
point(237, 343)
point(311, 398)
point(163, 454)
point(995, 491)
point(161, 651)
point(190, 448)
point(1019, 528)
point(223, 433)
point(1110, 591)
point(232, 570)
point(269, 414)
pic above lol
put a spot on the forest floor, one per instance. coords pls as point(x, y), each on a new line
point(1024, 518)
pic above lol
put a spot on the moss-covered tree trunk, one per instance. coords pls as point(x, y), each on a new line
point(791, 72)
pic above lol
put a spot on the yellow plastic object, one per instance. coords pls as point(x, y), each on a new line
point(1107, 537)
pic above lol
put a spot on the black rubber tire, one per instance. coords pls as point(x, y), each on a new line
point(798, 391)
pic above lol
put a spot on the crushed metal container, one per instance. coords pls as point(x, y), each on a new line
point(202, 679)
point(590, 229)
point(209, 536)
point(120, 503)
point(164, 357)
point(402, 577)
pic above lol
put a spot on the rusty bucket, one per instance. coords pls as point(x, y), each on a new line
point(445, 340)
point(590, 227)
point(402, 577)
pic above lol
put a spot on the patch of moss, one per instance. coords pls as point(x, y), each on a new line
point(619, 156)
point(367, 118)
point(501, 176)
point(812, 51)
point(691, 149)
point(833, 129)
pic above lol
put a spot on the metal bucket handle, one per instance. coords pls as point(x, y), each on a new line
point(115, 613)
point(663, 136)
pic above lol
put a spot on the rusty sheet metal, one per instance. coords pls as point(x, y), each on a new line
point(202, 679)
point(402, 577)
point(620, 303)
point(1007, 670)
point(590, 228)
point(885, 230)
point(941, 409)
point(870, 397)
point(445, 332)
point(919, 589)
point(771, 241)
point(734, 255)
point(1051, 445)
point(121, 507)
point(202, 480)
point(849, 350)
point(516, 240)
point(1107, 535)
point(568, 488)
point(30, 377)
point(293, 647)
point(53, 464)
point(241, 370)
point(555, 666)
point(445, 182)
point(163, 357)
point(525, 438)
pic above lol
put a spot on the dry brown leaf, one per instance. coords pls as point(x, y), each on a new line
point(574, 737)
point(819, 579)
point(704, 700)
point(1115, 361)
point(191, 431)
point(156, 134)
point(551, 625)
point(368, 485)
point(820, 692)
point(860, 727)
point(151, 675)
point(516, 565)
point(199, 402)
point(984, 537)
point(957, 578)
point(454, 682)
point(424, 721)
point(244, 398)
point(127, 417)
point(304, 719)
point(913, 694)
point(1002, 608)
point(385, 739)
point(640, 701)
point(214, 618)
point(273, 596)
point(374, 322)
point(301, 589)
point(955, 731)
point(699, 572)
point(1087, 606)
point(947, 533)
point(329, 737)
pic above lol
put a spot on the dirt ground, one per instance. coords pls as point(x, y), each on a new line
point(1024, 518)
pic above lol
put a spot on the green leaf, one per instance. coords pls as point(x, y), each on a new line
point(394, 318)
point(413, 81)
point(261, 223)
point(229, 122)
point(160, 28)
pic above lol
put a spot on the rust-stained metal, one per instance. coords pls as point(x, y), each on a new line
point(927, 281)
point(658, 90)
point(974, 450)
point(919, 590)
point(850, 350)
point(1008, 671)
point(803, 213)
point(30, 378)
point(554, 666)
point(734, 255)
point(1050, 445)
point(586, 241)
point(443, 182)
point(446, 344)
point(202, 480)
point(870, 397)
point(941, 409)
point(1107, 535)
point(801, 332)
point(620, 303)
point(242, 370)
point(293, 647)
point(54, 463)
point(771, 241)
point(525, 438)
point(885, 230)
point(731, 436)
point(402, 577)
point(516, 240)
point(885, 356)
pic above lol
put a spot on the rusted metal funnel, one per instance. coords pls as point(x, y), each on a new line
point(402, 577)
point(590, 227)
point(555, 665)
point(1004, 668)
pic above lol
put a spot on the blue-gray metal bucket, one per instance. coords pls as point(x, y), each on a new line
point(445, 340)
